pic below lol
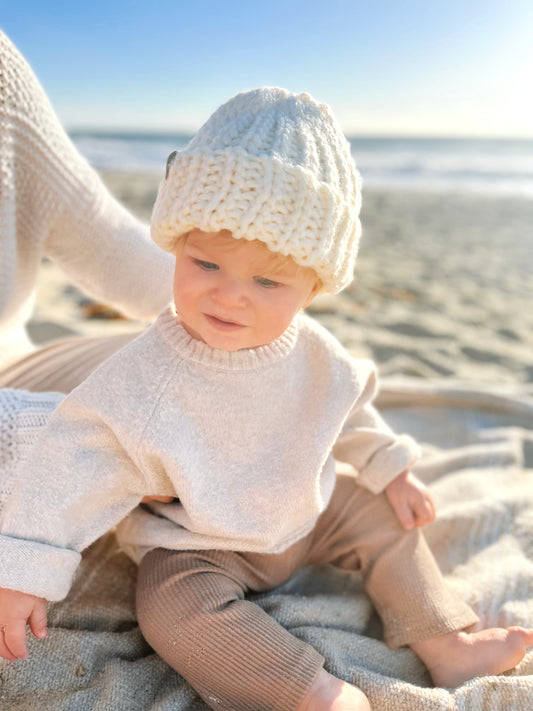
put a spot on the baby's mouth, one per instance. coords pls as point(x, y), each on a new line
point(222, 324)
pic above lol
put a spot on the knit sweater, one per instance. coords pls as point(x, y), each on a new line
point(245, 440)
point(52, 203)
point(23, 416)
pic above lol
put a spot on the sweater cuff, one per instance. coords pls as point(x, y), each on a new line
point(388, 463)
point(36, 568)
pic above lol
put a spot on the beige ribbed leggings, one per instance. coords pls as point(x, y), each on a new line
point(193, 611)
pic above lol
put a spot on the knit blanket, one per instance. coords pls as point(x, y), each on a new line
point(478, 460)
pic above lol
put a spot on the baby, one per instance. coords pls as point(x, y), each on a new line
point(238, 407)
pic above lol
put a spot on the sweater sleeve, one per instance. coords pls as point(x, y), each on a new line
point(368, 444)
point(78, 482)
point(55, 201)
point(93, 234)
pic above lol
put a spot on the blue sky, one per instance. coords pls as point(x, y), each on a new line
point(393, 67)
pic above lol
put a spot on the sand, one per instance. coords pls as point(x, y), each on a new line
point(443, 287)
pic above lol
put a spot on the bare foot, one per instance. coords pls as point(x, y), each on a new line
point(456, 657)
point(331, 694)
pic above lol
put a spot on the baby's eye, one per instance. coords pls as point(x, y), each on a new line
point(267, 283)
point(208, 266)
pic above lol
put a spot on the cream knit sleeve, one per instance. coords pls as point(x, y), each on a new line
point(368, 444)
point(54, 204)
point(77, 483)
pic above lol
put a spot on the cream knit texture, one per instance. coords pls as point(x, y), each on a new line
point(23, 416)
point(273, 166)
point(52, 203)
point(244, 439)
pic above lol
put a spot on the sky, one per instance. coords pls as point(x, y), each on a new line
point(386, 67)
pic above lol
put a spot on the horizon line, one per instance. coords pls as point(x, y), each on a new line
point(143, 132)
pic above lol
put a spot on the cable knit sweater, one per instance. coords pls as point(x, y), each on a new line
point(53, 203)
point(245, 440)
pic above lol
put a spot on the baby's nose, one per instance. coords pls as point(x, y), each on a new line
point(230, 292)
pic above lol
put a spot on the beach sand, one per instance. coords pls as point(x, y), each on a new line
point(443, 286)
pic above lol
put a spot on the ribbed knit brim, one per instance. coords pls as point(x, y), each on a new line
point(272, 166)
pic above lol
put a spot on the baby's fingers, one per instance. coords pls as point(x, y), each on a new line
point(405, 515)
point(15, 639)
point(4, 651)
point(37, 619)
point(425, 512)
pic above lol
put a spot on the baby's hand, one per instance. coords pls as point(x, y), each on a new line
point(411, 500)
point(17, 608)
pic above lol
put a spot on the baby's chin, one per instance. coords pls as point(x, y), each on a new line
point(237, 340)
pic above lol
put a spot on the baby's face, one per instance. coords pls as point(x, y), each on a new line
point(231, 295)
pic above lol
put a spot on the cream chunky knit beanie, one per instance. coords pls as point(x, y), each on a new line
point(272, 166)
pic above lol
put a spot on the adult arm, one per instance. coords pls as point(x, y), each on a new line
point(55, 204)
point(23, 416)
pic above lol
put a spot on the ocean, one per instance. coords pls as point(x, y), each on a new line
point(498, 167)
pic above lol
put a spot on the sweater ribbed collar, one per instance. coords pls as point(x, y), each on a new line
point(192, 349)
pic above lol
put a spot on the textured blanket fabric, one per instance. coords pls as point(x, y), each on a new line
point(478, 459)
